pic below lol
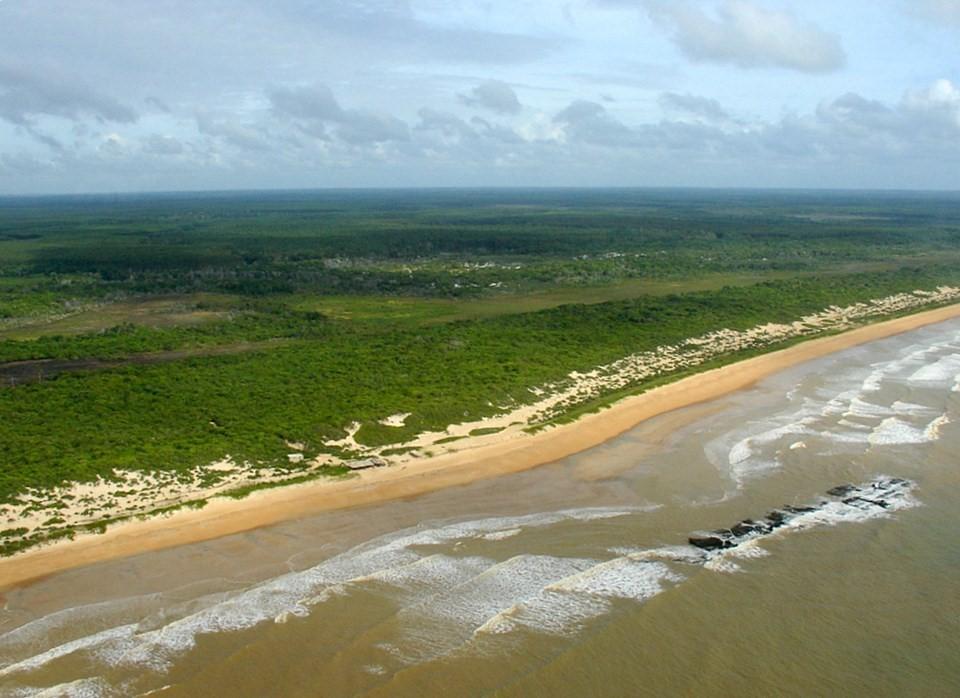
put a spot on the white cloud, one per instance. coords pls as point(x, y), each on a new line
point(942, 94)
point(315, 106)
point(701, 107)
point(590, 122)
point(935, 109)
point(449, 127)
point(359, 127)
point(748, 35)
point(26, 94)
point(312, 102)
point(233, 132)
point(229, 93)
point(494, 95)
point(912, 141)
point(114, 145)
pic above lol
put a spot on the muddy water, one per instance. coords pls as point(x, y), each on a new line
point(576, 578)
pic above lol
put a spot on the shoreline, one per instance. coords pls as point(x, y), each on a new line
point(480, 458)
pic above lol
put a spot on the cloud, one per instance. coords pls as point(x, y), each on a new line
point(449, 126)
point(395, 27)
point(158, 104)
point(851, 109)
point(936, 109)
point(591, 123)
point(442, 135)
point(925, 120)
point(162, 145)
point(850, 136)
point(27, 94)
point(114, 146)
point(315, 106)
point(708, 109)
point(228, 93)
point(242, 136)
point(850, 140)
point(942, 94)
point(853, 131)
point(497, 132)
point(745, 34)
point(360, 128)
point(312, 102)
point(941, 11)
point(477, 145)
point(494, 95)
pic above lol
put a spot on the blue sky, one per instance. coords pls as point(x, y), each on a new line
point(134, 95)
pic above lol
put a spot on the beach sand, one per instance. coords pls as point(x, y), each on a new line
point(480, 458)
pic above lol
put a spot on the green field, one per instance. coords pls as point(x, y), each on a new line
point(171, 330)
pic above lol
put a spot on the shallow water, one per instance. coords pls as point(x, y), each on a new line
point(575, 578)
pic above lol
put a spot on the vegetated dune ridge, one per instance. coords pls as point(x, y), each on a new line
point(508, 449)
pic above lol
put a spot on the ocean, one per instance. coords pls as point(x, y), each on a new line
point(823, 506)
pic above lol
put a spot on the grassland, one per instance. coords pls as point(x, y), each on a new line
point(166, 332)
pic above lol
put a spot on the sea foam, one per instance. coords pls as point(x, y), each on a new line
point(448, 603)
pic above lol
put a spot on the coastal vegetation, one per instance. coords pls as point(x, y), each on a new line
point(278, 333)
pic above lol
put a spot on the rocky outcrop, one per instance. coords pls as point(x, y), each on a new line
point(877, 495)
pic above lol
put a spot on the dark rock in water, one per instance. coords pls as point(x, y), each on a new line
point(710, 542)
point(777, 518)
point(874, 502)
point(746, 527)
point(878, 492)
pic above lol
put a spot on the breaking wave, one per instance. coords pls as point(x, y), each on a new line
point(857, 417)
point(448, 602)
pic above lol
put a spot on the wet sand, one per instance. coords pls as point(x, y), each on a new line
point(494, 457)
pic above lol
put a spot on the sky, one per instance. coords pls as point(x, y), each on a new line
point(171, 95)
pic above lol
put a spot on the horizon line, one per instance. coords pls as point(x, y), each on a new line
point(477, 188)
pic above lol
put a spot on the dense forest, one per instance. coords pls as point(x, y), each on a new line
point(163, 332)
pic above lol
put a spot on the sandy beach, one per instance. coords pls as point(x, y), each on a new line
point(477, 458)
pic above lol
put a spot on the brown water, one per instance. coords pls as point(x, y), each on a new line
point(574, 579)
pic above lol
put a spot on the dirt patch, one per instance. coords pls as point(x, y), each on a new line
point(16, 373)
